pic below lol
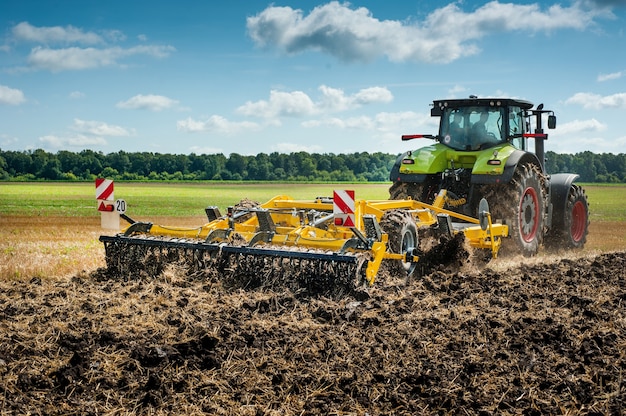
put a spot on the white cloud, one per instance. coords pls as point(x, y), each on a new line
point(352, 123)
point(191, 126)
point(79, 141)
point(85, 50)
point(334, 99)
point(382, 120)
point(457, 89)
point(598, 102)
point(216, 124)
point(373, 95)
point(381, 132)
point(581, 135)
point(495, 17)
point(611, 76)
point(280, 103)
point(298, 103)
point(147, 102)
point(579, 126)
point(384, 124)
point(99, 128)
point(75, 58)
point(24, 31)
point(85, 134)
point(353, 34)
point(11, 96)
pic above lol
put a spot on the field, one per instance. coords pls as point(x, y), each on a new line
point(521, 336)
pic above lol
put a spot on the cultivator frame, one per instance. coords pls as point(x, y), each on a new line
point(284, 234)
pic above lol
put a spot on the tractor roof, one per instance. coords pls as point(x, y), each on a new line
point(474, 101)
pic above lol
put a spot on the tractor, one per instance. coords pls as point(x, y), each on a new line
point(483, 150)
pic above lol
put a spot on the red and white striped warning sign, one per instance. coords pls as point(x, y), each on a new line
point(109, 216)
point(104, 189)
point(343, 208)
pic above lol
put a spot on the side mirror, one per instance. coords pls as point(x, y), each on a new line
point(551, 121)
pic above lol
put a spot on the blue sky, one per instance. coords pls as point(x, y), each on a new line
point(250, 76)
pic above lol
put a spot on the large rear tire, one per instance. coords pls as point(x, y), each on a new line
point(575, 227)
point(521, 204)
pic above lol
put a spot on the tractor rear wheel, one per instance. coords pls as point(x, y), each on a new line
point(521, 204)
point(573, 232)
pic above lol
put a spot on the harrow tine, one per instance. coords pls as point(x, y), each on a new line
point(238, 266)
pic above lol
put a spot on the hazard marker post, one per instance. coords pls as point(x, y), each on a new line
point(109, 216)
point(343, 208)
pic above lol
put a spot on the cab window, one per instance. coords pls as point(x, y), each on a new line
point(454, 129)
point(516, 127)
point(486, 127)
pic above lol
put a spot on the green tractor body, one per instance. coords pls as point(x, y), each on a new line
point(482, 150)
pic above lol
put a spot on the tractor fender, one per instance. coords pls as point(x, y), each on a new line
point(516, 158)
point(396, 176)
point(560, 184)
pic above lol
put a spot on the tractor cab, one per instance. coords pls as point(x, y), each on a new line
point(478, 124)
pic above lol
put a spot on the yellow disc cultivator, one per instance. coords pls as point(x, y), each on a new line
point(301, 244)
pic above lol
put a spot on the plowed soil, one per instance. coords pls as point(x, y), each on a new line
point(532, 339)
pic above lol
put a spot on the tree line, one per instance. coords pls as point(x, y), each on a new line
point(141, 166)
point(86, 165)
